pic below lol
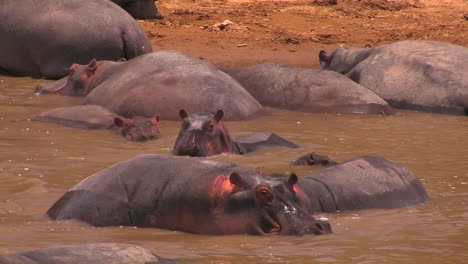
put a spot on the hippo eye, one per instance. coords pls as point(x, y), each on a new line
point(210, 127)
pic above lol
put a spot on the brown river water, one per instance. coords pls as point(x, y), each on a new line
point(40, 161)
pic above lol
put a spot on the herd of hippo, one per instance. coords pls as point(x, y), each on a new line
point(129, 88)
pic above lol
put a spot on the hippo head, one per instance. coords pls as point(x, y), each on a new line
point(139, 128)
point(81, 80)
point(343, 59)
point(142, 9)
point(312, 158)
point(202, 134)
point(267, 206)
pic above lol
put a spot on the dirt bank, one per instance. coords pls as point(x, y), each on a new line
point(294, 31)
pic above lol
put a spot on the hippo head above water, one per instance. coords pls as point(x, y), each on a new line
point(203, 134)
point(81, 80)
point(139, 128)
point(268, 206)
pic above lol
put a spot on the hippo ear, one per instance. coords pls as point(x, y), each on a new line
point(73, 67)
point(367, 46)
point(155, 120)
point(292, 179)
point(183, 114)
point(92, 65)
point(122, 60)
point(219, 115)
point(324, 56)
point(236, 179)
point(118, 122)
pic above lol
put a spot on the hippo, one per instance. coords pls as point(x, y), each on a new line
point(204, 134)
point(42, 39)
point(97, 117)
point(82, 79)
point(110, 253)
point(312, 158)
point(194, 195)
point(428, 76)
point(307, 90)
point(140, 9)
point(365, 182)
point(160, 83)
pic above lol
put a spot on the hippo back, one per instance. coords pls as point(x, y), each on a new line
point(43, 38)
point(167, 81)
point(363, 183)
point(309, 90)
point(110, 253)
point(128, 192)
point(80, 116)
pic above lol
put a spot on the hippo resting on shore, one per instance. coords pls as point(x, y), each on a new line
point(204, 134)
point(203, 196)
point(109, 253)
point(141, 9)
point(308, 90)
point(158, 83)
point(43, 38)
point(97, 117)
point(418, 75)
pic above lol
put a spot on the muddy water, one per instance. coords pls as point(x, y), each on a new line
point(38, 162)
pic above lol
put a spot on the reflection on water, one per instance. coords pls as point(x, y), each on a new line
point(40, 161)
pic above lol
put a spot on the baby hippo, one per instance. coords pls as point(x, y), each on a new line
point(97, 117)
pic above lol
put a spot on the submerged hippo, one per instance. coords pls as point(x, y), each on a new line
point(312, 158)
point(110, 253)
point(43, 38)
point(193, 195)
point(204, 134)
point(159, 83)
point(418, 75)
point(97, 117)
point(308, 90)
point(141, 9)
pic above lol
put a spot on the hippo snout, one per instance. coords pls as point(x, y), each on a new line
point(192, 150)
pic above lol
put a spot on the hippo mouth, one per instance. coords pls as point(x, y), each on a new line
point(269, 225)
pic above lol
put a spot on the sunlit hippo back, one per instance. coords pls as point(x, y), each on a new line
point(203, 134)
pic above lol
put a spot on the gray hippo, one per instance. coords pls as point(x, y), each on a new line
point(43, 38)
point(364, 182)
point(417, 75)
point(158, 83)
point(194, 195)
point(312, 158)
point(97, 117)
point(204, 134)
point(109, 253)
point(81, 79)
point(308, 90)
point(140, 9)
point(204, 196)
